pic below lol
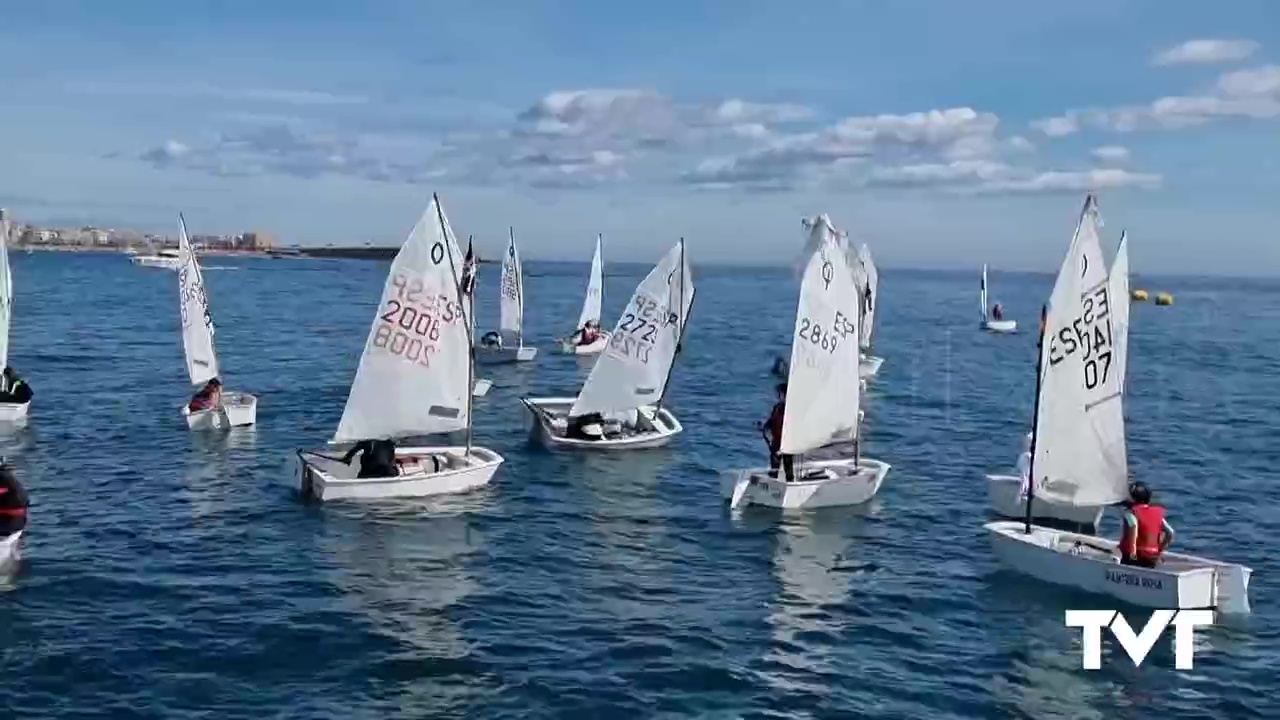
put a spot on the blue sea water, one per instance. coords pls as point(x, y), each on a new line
point(176, 575)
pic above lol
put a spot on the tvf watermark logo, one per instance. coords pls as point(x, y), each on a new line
point(1138, 645)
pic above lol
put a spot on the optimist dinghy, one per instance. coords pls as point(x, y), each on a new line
point(470, 277)
point(1079, 458)
point(236, 409)
point(9, 412)
point(590, 311)
point(1007, 494)
point(629, 380)
point(507, 344)
point(415, 378)
point(989, 323)
point(869, 297)
point(823, 395)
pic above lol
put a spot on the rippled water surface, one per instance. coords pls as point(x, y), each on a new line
point(171, 574)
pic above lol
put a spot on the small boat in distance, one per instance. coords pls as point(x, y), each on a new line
point(868, 282)
point(622, 397)
point(235, 409)
point(165, 259)
point(415, 378)
point(506, 344)
point(590, 312)
point(990, 322)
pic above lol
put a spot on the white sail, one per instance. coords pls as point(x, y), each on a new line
point(1119, 282)
point(6, 290)
point(871, 297)
point(414, 375)
point(982, 297)
point(193, 302)
point(1080, 456)
point(822, 385)
point(633, 369)
point(595, 286)
point(512, 302)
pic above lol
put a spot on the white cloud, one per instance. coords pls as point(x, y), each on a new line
point(1020, 144)
point(1202, 52)
point(1110, 153)
point(736, 112)
point(1253, 93)
point(992, 178)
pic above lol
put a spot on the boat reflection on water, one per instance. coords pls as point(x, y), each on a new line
point(403, 569)
point(815, 563)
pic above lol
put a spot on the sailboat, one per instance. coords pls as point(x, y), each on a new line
point(9, 412)
point(989, 323)
point(414, 379)
point(823, 395)
point(507, 343)
point(470, 278)
point(236, 409)
point(629, 380)
point(590, 310)
point(1007, 493)
point(869, 291)
point(1079, 456)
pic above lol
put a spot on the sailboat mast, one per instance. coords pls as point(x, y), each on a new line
point(684, 320)
point(1035, 417)
point(471, 348)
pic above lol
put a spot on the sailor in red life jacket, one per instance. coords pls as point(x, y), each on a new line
point(773, 434)
point(13, 502)
point(1147, 534)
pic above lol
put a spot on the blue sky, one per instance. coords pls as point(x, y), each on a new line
point(945, 134)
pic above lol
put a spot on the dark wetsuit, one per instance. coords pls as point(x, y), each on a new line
point(776, 458)
point(13, 503)
point(13, 389)
point(378, 459)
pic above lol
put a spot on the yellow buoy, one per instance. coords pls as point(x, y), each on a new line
point(1140, 295)
point(1164, 299)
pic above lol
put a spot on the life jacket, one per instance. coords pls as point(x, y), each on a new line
point(13, 499)
point(1150, 522)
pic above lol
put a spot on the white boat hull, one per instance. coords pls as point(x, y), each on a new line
point(155, 261)
point(324, 478)
point(10, 553)
point(842, 484)
point(548, 417)
point(1005, 496)
point(489, 355)
point(571, 348)
point(1000, 326)
point(481, 388)
point(1088, 563)
point(14, 412)
point(869, 365)
point(236, 410)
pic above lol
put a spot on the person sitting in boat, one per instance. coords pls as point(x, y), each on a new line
point(13, 389)
point(13, 502)
point(773, 434)
point(492, 339)
point(586, 427)
point(207, 397)
point(377, 459)
point(1147, 533)
point(997, 312)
